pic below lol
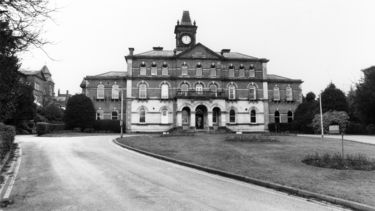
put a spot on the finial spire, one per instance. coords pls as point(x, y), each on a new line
point(185, 18)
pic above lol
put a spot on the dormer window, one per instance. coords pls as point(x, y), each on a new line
point(231, 70)
point(164, 69)
point(142, 69)
point(184, 69)
point(154, 69)
point(252, 71)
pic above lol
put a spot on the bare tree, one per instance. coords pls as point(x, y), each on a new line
point(26, 18)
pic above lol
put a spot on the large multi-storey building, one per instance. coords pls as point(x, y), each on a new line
point(193, 87)
point(42, 83)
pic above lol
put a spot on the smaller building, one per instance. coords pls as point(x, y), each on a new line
point(41, 81)
point(62, 99)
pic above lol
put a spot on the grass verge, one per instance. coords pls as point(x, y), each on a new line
point(278, 161)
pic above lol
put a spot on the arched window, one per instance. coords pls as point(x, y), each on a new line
point(164, 116)
point(277, 117)
point(290, 116)
point(276, 93)
point(213, 89)
point(252, 93)
point(213, 70)
point(164, 91)
point(154, 69)
point(253, 117)
point(198, 69)
point(289, 94)
point(184, 69)
point(99, 114)
point(114, 115)
point(184, 88)
point(115, 92)
point(231, 70)
point(242, 71)
point(164, 69)
point(142, 70)
point(142, 91)
point(232, 116)
point(100, 91)
point(199, 88)
point(252, 71)
point(232, 92)
point(142, 115)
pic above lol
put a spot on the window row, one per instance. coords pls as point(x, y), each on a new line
point(184, 87)
point(277, 118)
point(115, 94)
point(288, 93)
point(198, 70)
point(232, 116)
point(100, 115)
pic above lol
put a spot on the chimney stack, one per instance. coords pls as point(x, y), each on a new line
point(225, 51)
point(131, 51)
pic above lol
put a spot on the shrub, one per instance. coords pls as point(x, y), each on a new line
point(280, 127)
point(340, 118)
point(39, 118)
point(53, 112)
point(107, 125)
point(356, 128)
point(79, 113)
point(44, 127)
point(370, 129)
point(7, 134)
point(336, 161)
point(250, 138)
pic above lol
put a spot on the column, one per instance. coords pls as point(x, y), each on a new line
point(209, 116)
point(179, 119)
point(192, 119)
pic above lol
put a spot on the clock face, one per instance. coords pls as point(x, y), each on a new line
point(186, 39)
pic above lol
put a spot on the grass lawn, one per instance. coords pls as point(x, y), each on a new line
point(279, 162)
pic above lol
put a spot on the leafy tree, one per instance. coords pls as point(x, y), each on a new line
point(53, 112)
point(79, 113)
point(333, 99)
point(8, 72)
point(364, 98)
point(305, 113)
point(340, 118)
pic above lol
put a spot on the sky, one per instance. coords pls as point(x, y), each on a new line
point(317, 41)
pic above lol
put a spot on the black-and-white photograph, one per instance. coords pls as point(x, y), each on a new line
point(187, 105)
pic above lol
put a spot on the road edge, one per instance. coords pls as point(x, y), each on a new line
point(10, 177)
point(278, 187)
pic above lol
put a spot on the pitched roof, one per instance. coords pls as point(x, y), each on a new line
point(45, 70)
point(170, 53)
point(185, 20)
point(277, 77)
point(112, 74)
point(30, 72)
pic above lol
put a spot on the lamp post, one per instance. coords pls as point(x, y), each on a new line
point(321, 116)
point(122, 113)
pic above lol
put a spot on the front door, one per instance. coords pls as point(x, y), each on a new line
point(199, 123)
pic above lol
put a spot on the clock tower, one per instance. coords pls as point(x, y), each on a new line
point(185, 32)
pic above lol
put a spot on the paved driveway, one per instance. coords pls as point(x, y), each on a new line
point(92, 173)
point(356, 138)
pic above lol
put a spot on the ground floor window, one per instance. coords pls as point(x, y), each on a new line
point(290, 116)
point(232, 116)
point(164, 116)
point(277, 117)
point(114, 115)
point(185, 116)
point(142, 115)
point(253, 118)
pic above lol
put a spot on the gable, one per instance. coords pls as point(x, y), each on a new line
point(199, 51)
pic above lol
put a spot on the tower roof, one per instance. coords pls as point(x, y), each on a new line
point(185, 20)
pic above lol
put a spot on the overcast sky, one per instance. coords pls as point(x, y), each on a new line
point(318, 41)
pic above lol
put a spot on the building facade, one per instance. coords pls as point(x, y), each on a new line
point(42, 83)
point(194, 88)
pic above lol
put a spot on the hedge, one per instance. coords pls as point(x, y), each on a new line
point(44, 128)
point(108, 125)
point(7, 134)
point(280, 127)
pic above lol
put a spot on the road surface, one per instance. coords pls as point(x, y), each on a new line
point(92, 173)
